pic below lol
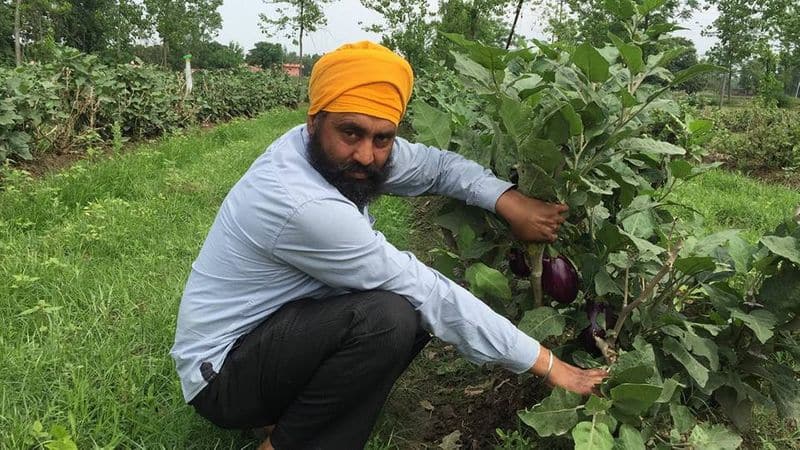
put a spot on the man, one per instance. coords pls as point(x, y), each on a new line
point(298, 315)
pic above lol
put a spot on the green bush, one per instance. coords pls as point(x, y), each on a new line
point(757, 138)
point(75, 102)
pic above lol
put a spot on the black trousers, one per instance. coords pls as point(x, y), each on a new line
point(319, 370)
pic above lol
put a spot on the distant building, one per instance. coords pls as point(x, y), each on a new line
point(292, 69)
point(254, 69)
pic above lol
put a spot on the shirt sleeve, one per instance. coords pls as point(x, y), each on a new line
point(343, 251)
point(418, 169)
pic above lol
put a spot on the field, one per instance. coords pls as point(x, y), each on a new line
point(95, 257)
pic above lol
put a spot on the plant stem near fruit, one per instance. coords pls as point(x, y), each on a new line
point(535, 252)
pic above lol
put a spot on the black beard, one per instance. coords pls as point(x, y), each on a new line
point(359, 191)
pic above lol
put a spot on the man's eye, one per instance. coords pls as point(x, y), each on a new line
point(382, 141)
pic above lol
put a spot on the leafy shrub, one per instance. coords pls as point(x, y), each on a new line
point(691, 322)
point(76, 101)
point(757, 137)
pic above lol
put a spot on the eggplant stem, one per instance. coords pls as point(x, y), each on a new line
point(535, 254)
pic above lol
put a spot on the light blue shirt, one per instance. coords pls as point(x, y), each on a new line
point(283, 233)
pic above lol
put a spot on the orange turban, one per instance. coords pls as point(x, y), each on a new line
point(361, 77)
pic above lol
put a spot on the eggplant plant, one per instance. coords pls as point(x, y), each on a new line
point(686, 322)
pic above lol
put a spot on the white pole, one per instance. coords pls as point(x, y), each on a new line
point(187, 72)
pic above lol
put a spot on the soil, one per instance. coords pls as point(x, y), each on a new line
point(442, 394)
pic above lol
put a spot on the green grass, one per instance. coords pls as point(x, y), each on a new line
point(93, 261)
point(729, 200)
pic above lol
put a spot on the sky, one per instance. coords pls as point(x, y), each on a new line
point(240, 23)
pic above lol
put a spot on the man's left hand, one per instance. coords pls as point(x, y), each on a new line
point(531, 219)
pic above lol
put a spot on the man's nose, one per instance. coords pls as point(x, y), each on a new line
point(364, 154)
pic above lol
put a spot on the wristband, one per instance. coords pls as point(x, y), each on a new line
point(549, 367)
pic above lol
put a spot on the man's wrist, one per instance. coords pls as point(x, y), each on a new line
point(506, 203)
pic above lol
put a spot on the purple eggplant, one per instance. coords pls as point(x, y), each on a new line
point(517, 263)
point(586, 337)
point(559, 279)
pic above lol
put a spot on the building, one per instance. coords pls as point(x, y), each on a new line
point(292, 69)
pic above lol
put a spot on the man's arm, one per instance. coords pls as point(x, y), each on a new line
point(344, 252)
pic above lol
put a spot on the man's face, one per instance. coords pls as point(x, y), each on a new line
point(353, 152)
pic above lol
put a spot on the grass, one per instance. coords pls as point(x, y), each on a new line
point(94, 260)
point(731, 200)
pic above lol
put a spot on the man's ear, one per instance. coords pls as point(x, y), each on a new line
point(310, 123)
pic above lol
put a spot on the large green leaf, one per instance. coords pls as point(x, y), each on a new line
point(635, 398)
point(760, 321)
point(515, 119)
point(629, 439)
point(679, 352)
point(542, 153)
point(696, 70)
point(485, 281)
point(780, 292)
point(649, 5)
point(714, 437)
point(682, 418)
point(591, 62)
point(631, 53)
point(787, 247)
point(542, 322)
point(693, 265)
point(535, 182)
point(622, 9)
point(592, 435)
point(474, 71)
point(597, 405)
point(432, 125)
point(555, 415)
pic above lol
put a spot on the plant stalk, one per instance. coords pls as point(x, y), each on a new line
point(535, 254)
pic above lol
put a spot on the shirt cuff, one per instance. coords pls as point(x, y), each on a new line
point(489, 191)
point(521, 358)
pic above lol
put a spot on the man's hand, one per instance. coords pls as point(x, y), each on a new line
point(569, 377)
point(531, 219)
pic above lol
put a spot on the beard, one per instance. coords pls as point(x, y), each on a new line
point(360, 191)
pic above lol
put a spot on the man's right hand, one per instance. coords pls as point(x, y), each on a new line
point(567, 376)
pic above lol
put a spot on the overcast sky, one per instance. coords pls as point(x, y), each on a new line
point(240, 24)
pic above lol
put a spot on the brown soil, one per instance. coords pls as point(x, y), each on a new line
point(441, 394)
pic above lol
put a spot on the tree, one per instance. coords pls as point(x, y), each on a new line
point(296, 18)
point(182, 23)
point(782, 20)
point(265, 55)
point(478, 20)
point(736, 29)
point(406, 28)
point(213, 55)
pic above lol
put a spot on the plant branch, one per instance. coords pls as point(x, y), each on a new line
point(646, 292)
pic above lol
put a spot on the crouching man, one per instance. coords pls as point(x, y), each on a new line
point(297, 315)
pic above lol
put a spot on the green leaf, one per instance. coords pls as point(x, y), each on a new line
point(682, 418)
point(787, 247)
point(465, 237)
point(633, 367)
point(668, 390)
point(592, 436)
point(596, 405)
point(629, 439)
point(626, 98)
point(445, 262)
point(572, 118)
point(715, 437)
point(780, 292)
point(591, 63)
point(693, 265)
point(760, 321)
point(622, 9)
point(542, 322)
point(603, 284)
point(515, 119)
point(739, 411)
point(650, 146)
point(634, 398)
point(680, 168)
point(741, 253)
point(474, 71)
point(485, 281)
point(542, 153)
point(535, 182)
point(649, 5)
point(555, 415)
point(695, 369)
point(631, 53)
point(432, 126)
point(696, 70)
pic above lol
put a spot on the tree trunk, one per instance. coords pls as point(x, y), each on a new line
point(797, 91)
point(730, 77)
point(514, 25)
point(721, 90)
point(302, 9)
point(17, 44)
